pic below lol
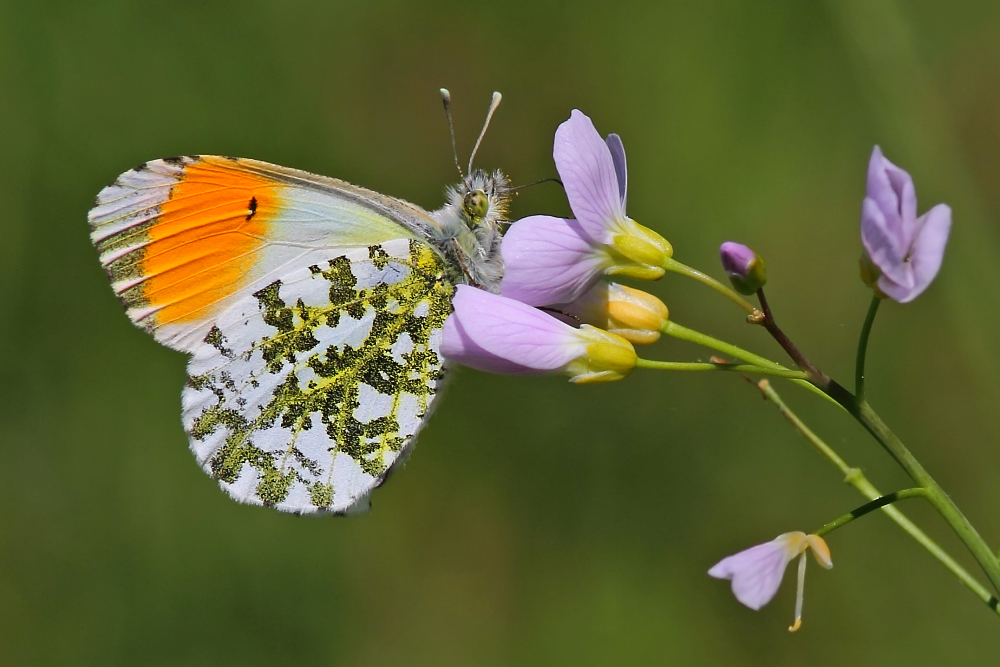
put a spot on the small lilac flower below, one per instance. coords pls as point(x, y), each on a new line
point(757, 572)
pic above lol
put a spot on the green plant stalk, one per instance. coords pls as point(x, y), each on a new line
point(856, 478)
point(935, 494)
point(673, 265)
point(680, 332)
point(859, 364)
point(945, 506)
point(683, 333)
point(857, 406)
point(738, 368)
point(871, 506)
point(868, 418)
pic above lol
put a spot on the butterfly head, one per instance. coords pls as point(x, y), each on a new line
point(468, 228)
point(482, 198)
point(475, 205)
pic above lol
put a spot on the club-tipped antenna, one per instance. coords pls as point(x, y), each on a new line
point(538, 182)
point(446, 99)
point(494, 103)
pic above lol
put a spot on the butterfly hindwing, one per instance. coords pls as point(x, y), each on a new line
point(304, 394)
point(184, 238)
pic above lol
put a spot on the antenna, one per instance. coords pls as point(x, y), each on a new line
point(489, 114)
point(446, 99)
point(539, 182)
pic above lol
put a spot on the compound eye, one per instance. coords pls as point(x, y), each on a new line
point(476, 204)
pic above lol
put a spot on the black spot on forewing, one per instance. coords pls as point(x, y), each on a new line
point(252, 206)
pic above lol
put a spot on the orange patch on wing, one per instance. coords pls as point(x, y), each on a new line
point(203, 245)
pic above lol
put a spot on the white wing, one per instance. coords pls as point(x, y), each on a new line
point(305, 394)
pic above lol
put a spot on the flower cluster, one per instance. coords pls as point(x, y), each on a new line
point(556, 313)
point(553, 270)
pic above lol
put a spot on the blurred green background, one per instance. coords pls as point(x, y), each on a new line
point(537, 522)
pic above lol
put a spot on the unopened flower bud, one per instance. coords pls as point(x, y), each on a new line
point(644, 250)
point(634, 315)
point(744, 267)
point(608, 357)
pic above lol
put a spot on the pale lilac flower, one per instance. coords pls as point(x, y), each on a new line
point(636, 316)
point(499, 335)
point(903, 253)
point(757, 572)
point(550, 260)
point(745, 268)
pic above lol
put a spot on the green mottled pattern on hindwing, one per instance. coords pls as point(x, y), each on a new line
point(350, 347)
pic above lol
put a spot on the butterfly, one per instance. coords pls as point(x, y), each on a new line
point(312, 310)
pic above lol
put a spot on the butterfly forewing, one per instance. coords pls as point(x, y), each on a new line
point(185, 238)
point(304, 394)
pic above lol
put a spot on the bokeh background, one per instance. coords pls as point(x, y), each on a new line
point(537, 522)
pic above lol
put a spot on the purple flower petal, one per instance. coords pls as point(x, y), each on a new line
point(587, 169)
point(617, 149)
point(757, 572)
point(880, 243)
point(736, 258)
point(888, 217)
point(549, 260)
point(499, 335)
point(928, 249)
point(925, 257)
point(892, 189)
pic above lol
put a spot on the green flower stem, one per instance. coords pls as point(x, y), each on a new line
point(935, 494)
point(868, 418)
point(767, 321)
point(738, 368)
point(673, 265)
point(863, 412)
point(683, 333)
point(859, 371)
point(871, 506)
point(856, 478)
